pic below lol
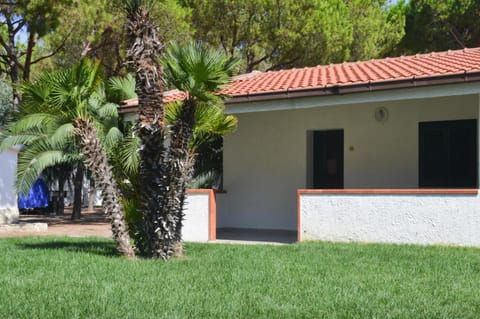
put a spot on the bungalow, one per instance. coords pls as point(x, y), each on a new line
point(376, 151)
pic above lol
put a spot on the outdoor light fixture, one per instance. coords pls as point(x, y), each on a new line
point(381, 114)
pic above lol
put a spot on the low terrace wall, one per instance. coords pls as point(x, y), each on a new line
point(416, 216)
point(200, 216)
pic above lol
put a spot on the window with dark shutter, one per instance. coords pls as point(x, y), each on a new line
point(448, 154)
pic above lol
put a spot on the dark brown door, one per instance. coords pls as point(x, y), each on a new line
point(328, 159)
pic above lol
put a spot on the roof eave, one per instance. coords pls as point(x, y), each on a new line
point(457, 78)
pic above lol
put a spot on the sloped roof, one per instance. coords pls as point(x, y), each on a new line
point(379, 74)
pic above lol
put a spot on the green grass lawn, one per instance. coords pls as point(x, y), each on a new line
point(57, 277)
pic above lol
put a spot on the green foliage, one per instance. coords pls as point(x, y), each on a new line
point(270, 34)
point(307, 280)
point(377, 29)
point(134, 220)
point(6, 101)
point(441, 25)
point(35, 19)
point(121, 88)
point(97, 30)
point(197, 70)
point(43, 124)
point(211, 125)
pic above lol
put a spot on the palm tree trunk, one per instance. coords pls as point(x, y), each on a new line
point(95, 160)
point(92, 192)
point(77, 192)
point(180, 168)
point(164, 194)
point(145, 48)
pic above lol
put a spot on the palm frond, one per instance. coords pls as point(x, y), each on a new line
point(34, 121)
point(15, 140)
point(63, 134)
point(31, 163)
point(172, 111)
point(211, 123)
point(210, 179)
point(197, 70)
point(108, 111)
point(113, 137)
point(122, 88)
point(129, 155)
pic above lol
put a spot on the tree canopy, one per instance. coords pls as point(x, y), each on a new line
point(441, 25)
point(269, 34)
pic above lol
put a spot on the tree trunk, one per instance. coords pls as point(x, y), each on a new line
point(92, 196)
point(158, 224)
point(13, 64)
point(180, 167)
point(95, 160)
point(60, 199)
point(145, 48)
point(77, 192)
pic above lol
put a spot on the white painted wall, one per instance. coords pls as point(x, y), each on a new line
point(8, 197)
point(197, 217)
point(265, 160)
point(416, 219)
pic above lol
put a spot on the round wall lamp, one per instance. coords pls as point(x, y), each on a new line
point(381, 114)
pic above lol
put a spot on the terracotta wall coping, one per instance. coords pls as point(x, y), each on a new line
point(199, 191)
point(205, 191)
point(398, 191)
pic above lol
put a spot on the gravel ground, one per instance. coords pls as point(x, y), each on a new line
point(90, 224)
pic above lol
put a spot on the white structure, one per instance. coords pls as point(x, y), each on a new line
point(392, 216)
point(8, 198)
point(270, 156)
point(377, 151)
point(200, 210)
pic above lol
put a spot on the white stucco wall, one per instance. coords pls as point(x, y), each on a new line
point(8, 197)
point(198, 220)
point(265, 160)
point(416, 219)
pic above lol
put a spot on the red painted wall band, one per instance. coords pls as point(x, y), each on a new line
point(399, 191)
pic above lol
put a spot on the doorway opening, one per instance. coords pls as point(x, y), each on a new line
point(325, 167)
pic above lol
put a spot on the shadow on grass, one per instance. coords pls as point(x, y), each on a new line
point(101, 248)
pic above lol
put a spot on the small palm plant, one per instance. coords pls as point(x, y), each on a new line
point(199, 72)
point(211, 124)
point(62, 109)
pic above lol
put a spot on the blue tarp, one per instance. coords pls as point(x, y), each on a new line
point(37, 196)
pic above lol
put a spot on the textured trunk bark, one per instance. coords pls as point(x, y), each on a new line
point(95, 160)
point(77, 192)
point(92, 192)
point(158, 228)
point(145, 48)
point(180, 167)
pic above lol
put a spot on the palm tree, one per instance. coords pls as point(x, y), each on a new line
point(211, 124)
point(145, 47)
point(199, 72)
point(60, 107)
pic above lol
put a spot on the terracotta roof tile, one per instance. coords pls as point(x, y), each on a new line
point(430, 65)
